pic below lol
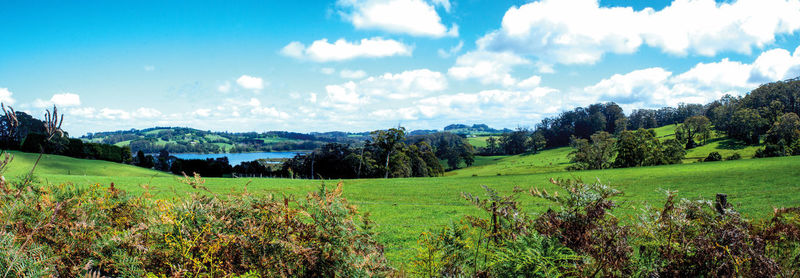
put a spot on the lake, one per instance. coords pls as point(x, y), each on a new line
point(236, 158)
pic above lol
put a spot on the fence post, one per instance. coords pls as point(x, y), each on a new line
point(722, 202)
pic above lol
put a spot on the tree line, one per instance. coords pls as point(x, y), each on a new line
point(387, 154)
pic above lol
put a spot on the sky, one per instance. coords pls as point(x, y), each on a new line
point(361, 65)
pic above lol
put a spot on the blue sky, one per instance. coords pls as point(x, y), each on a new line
point(358, 65)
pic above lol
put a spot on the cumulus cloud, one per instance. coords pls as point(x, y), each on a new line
point(341, 50)
point(486, 105)
point(269, 112)
point(114, 114)
point(581, 32)
point(352, 74)
point(202, 112)
point(412, 17)
point(147, 113)
point(705, 82)
point(250, 82)
point(351, 95)
point(60, 100)
point(5, 96)
point(487, 67)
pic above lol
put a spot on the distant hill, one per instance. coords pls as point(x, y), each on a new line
point(190, 140)
point(474, 130)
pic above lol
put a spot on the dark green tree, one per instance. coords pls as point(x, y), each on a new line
point(596, 154)
point(389, 141)
point(537, 142)
point(694, 128)
point(747, 125)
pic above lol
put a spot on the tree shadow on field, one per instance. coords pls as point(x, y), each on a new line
point(731, 144)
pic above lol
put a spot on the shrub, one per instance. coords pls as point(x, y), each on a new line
point(713, 156)
point(582, 238)
point(734, 156)
point(770, 150)
point(68, 231)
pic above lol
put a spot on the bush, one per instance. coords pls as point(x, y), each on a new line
point(734, 156)
point(713, 156)
point(68, 231)
point(770, 150)
point(582, 238)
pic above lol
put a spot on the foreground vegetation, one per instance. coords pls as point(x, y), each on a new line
point(400, 210)
point(404, 208)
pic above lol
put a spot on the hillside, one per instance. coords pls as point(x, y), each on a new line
point(63, 165)
point(189, 140)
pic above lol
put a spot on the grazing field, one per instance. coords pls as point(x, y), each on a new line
point(62, 165)
point(403, 208)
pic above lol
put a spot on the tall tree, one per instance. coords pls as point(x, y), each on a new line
point(694, 127)
point(596, 154)
point(389, 141)
point(785, 133)
point(747, 125)
point(537, 141)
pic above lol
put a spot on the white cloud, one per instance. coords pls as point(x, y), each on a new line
point(352, 74)
point(776, 64)
point(5, 96)
point(413, 17)
point(254, 102)
point(147, 113)
point(452, 51)
point(340, 50)
point(646, 85)
point(269, 112)
point(149, 68)
point(202, 112)
point(85, 112)
point(343, 97)
point(351, 95)
point(705, 82)
point(482, 106)
point(114, 114)
point(581, 32)
point(530, 83)
point(225, 87)
point(60, 100)
point(250, 82)
point(488, 67)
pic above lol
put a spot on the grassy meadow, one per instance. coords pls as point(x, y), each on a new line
point(403, 208)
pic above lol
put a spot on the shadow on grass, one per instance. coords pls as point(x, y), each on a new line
point(731, 144)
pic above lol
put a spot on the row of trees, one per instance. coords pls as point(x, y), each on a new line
point(515, 142)
point(388, 154)
point(629, 149)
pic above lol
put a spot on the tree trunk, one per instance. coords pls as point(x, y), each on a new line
point(360, 160)
point(386, 176)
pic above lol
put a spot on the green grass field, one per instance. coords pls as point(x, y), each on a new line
point(403, 208)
